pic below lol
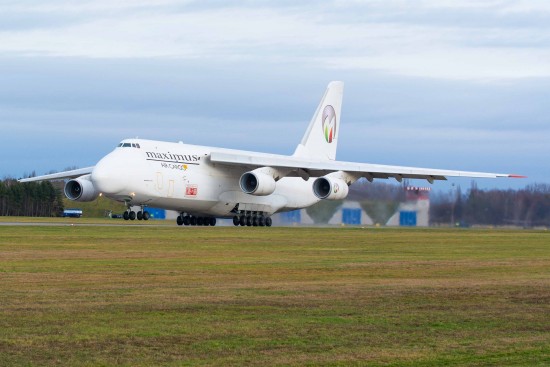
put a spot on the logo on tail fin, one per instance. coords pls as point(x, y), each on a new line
point(329, 123)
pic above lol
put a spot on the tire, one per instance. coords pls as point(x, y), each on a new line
point(132, 215)
point(200, 221)
point(255, 221)
point(242, 221)
point(193, 221)
point(126, 215)
point(139, 215)
point(236, 221)
point(186, 220)
point(212, 222)
point(248, 221)
point(261, 221)
point(146, 215)
point(268, 222)
point(179, 220)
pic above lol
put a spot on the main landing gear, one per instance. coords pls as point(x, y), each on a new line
point(255, 220)
point(132, 215)
point(190, 220)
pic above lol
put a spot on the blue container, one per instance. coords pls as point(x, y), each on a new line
point(351, 216)
point(407, 219)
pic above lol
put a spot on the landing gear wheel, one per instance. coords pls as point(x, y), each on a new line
point(139, 215)
point(193, 221)
point(236, 221)
point(132, 215)
point(212, 222)
point(146, 215)
point(126, 215)
point(261, 221)
point(200, 221)
point(186, 220)
point(255, 221)
point(179, 220)
point(248, 220)
point(268, 222)
point(242, 221)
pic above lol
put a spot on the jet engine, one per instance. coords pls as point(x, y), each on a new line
point(330, 188)
point(81, 189)
point(257, 183)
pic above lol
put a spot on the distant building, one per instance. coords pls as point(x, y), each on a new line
point(415, 211)
point(350, 213)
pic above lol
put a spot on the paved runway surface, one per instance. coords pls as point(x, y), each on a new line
point(54, 224)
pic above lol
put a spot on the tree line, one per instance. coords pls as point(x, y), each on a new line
point(33, 199)
point(527, 207)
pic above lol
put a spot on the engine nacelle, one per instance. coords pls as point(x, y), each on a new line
point(257, 183)
point(330, 188)
point(81, 189)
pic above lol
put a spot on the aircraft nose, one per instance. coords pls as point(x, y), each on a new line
point(108, 177)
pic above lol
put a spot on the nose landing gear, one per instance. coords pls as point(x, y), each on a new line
point(129, 214)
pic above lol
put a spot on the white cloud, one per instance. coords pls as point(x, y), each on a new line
point(456, 63)
point(428, 38)
point(526, 6)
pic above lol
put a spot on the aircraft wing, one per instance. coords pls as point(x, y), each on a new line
point(304, 167)
point(60, 175)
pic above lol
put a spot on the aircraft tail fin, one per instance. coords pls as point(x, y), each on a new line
point(321, 137)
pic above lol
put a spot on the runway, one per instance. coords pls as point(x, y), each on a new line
point(76, 224)
point(87, 222)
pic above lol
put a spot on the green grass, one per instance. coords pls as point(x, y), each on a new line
point(148, 295)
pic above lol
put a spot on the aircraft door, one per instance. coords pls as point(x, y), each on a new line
point(160, 181)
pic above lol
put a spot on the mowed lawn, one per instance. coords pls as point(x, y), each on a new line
point(148, 296)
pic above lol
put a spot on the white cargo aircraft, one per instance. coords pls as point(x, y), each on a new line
point(204, 183)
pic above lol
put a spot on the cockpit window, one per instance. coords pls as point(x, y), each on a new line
point(129, 145)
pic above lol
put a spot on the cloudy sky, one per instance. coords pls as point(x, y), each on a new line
point(437, 83)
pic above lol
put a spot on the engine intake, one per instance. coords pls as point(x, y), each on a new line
point(257, 183)
point(81, 189)
point(330, 188)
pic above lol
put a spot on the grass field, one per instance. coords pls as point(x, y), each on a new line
point(148, 295)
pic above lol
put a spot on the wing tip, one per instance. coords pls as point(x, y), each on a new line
point(517, 176)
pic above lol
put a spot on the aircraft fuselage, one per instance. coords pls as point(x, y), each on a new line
point(180, 177)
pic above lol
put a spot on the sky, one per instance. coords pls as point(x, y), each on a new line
point(444, 84)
